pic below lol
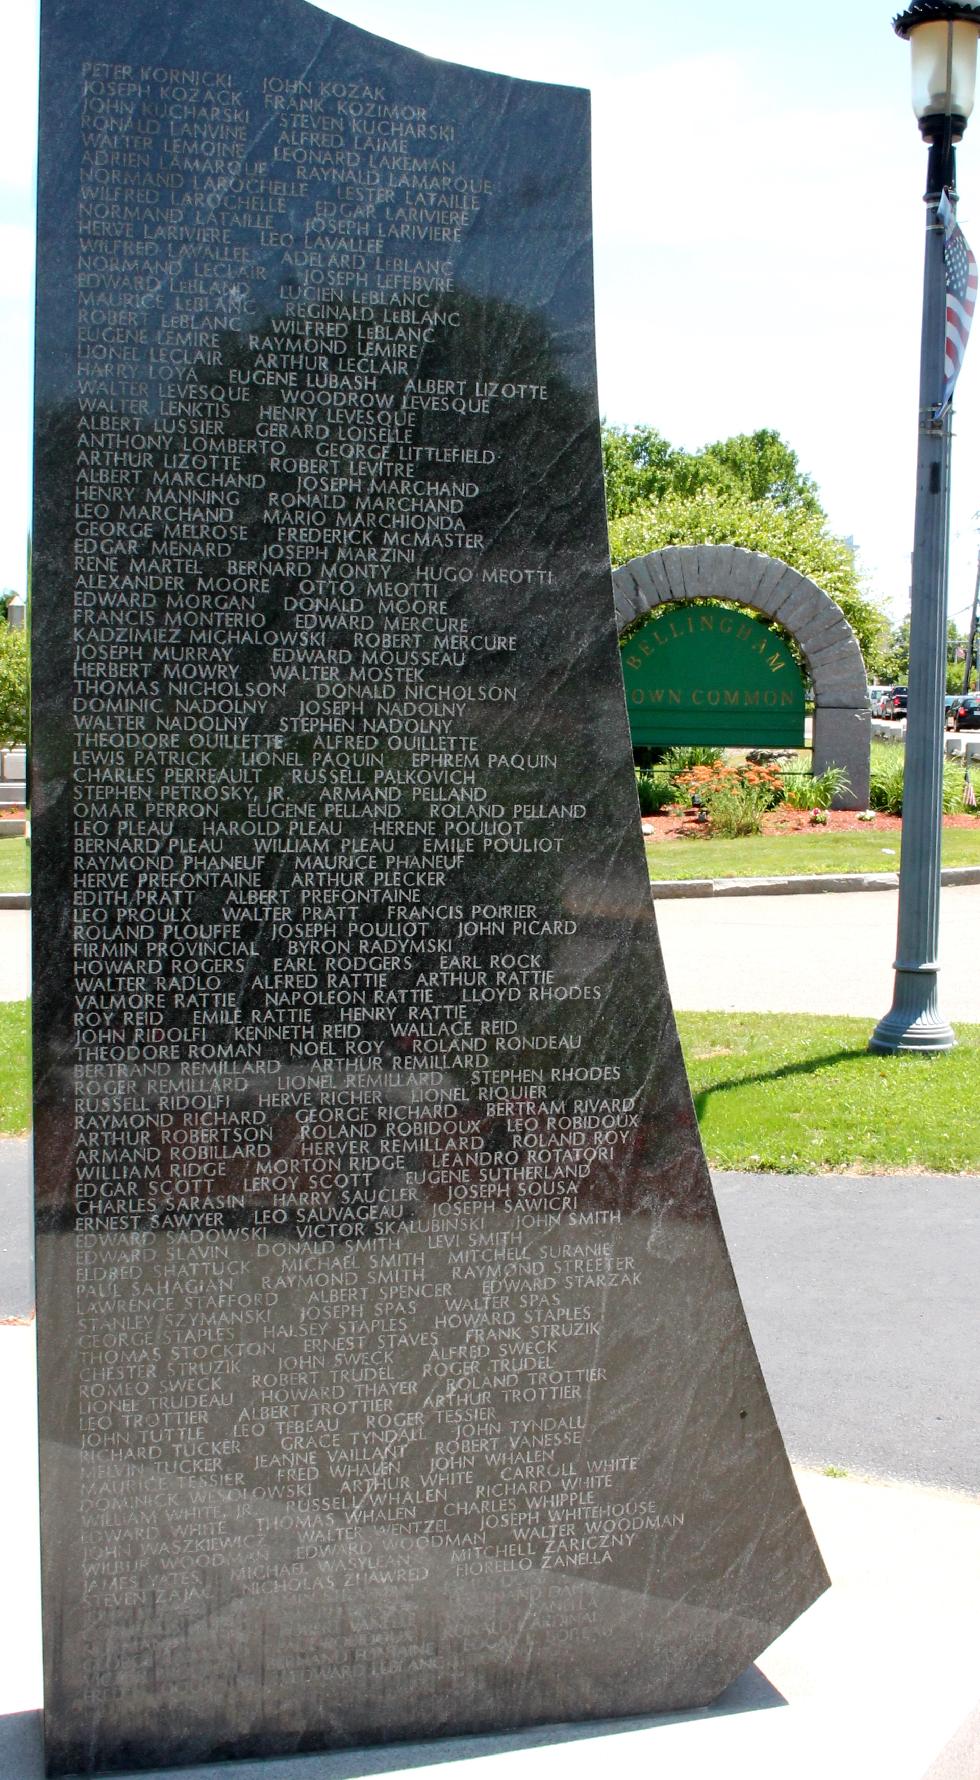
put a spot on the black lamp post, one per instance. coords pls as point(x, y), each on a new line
point(943, 40)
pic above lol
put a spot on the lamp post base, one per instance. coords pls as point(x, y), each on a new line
point(914, 1022)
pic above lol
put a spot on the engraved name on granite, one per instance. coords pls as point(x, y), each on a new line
point(394, 1380)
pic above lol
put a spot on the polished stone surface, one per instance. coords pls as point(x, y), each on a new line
point(394, 1381)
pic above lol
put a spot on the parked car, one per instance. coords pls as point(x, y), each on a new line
point(895, 702)
point(952, 700)
point(875, 696)
point(966, 714)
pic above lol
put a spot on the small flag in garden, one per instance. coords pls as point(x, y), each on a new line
point(961, 295)
point(969, 795)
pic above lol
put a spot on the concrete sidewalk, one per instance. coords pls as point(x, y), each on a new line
point(810, 954)
point(15, 954)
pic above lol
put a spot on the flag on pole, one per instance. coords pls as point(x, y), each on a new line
point(969, 795)
point(961, 294)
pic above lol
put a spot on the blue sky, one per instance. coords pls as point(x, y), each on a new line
point(758, 179)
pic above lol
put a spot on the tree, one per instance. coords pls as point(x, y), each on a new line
point(895, 656)
point(638, 467)
point(13, 687)
point(797, 534)
point(766, 469)
point(641, 466)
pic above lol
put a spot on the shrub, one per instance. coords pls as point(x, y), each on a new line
point(680, 760)
point(737, 809)
point(655, 793)
point(817, 792)
point(888, 783)
point(709, 782)
point(13, 687)
point(736, 797)
point(799, 793)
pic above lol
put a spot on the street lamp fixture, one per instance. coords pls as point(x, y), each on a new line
point(943, 37)
point(944, 63)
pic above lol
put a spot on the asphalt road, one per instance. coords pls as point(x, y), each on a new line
point(860, 1294)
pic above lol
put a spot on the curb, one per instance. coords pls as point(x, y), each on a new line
point(663, 890)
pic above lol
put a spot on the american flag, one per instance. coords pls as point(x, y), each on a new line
point(961, 294)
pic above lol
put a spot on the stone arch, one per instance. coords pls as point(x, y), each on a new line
point(842, 713)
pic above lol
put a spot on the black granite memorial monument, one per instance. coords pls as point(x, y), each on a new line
point(394, 1380)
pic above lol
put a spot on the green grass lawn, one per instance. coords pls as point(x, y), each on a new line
point(14, 864)
point(795, 855)
point(15, 1068)
point(802, 1095)
point(782, 1092)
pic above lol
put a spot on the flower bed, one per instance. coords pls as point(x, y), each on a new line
point(676, 823)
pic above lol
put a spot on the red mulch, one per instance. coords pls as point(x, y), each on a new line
point(673, 822)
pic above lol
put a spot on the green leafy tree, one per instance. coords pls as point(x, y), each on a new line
point(747, 490)
point(895, 655)
point(765, 468)
point(638, 467)
point(957, 644)
point(796, 534)
point(13, 687)
point(642, 466)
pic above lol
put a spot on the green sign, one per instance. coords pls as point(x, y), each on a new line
point(704, 674)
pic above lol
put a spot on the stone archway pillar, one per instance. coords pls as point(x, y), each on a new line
point(842, 712)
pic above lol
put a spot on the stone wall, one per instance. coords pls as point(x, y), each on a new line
point(842, 714)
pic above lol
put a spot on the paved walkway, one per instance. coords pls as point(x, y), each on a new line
point(812, 954)
point(861, 1296)
point(15, 954)
point(16, 1231)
